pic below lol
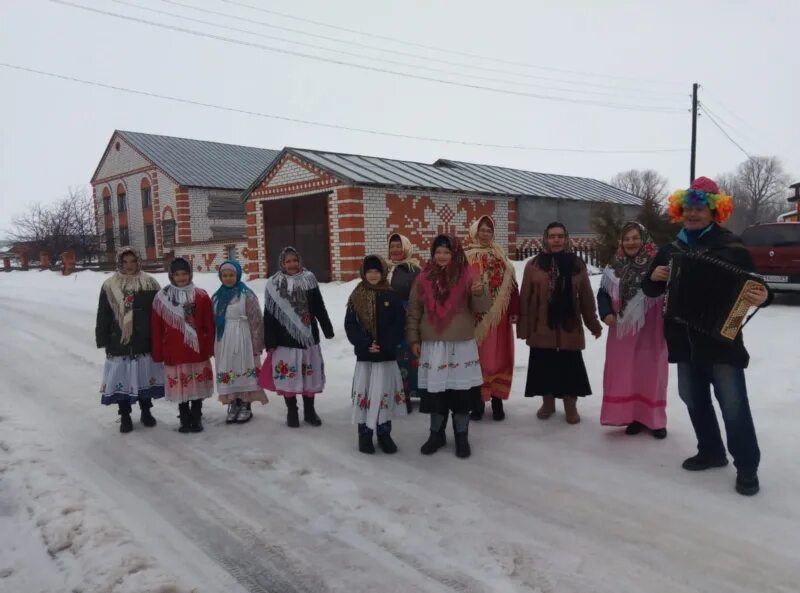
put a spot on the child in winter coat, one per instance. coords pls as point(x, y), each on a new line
point(183, 339)
point(374, 324)
point(292, 307)
point(239, 343)
point(441, 330)
point(123, 329)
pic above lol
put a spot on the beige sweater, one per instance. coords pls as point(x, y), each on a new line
point(460, 329)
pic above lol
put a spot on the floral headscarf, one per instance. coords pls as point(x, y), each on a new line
point(362, 300)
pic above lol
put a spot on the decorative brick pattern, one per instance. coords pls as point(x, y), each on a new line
point(183, 212)
point(293, 176)
point(122, 162)
point(207, 256)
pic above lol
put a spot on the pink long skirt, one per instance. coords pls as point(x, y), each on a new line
point(636, 374)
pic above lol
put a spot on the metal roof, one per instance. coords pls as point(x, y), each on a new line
point(197, 163)
point(456, 176)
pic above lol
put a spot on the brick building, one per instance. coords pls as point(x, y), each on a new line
point(162, 194)
point(336, 208)
point(794, 199)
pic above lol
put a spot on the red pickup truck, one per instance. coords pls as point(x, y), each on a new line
point(775, 248)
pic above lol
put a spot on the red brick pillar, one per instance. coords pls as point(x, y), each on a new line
point(351, 235)
point(7, 264)
point(44, 260)
point(252, 265)
point(512, 228)
point(25, 261)
point(183, 215)
point(68, 262)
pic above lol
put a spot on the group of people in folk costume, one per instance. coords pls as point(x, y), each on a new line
point(442, 332)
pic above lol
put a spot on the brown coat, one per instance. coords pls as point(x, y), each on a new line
point(460, 329)
point(532, 325)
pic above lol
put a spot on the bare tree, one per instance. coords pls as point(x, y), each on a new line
point(647, 184)
point(759, 187)
point(67, 224)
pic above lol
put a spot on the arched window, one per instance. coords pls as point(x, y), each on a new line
point(106, 201)
point(168, 227)
point(147, 198)
point(121, 202)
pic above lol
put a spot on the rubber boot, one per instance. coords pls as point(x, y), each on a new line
point(184, 415)
point(309, 414)
point(478, 410)
point(548, 407)
point(571, 410)
point(196, 415)
point(146, 417)
point(436, 440)
point(292, 417)
point(461, 432)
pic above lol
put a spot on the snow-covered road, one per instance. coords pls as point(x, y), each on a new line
point(540, 507)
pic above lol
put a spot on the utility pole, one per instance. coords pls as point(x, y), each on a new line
point(694, 132)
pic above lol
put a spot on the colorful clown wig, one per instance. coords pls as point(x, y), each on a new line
point(702, 192)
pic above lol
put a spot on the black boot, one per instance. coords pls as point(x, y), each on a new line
point(436, 440)
point(196, 415)
point(478, 410)
point(409, 405)
point(498, 413)
point(309, 415)
point(700, 463)
point(463, 449)
point(660, 433)
point(747, 483)
point(365, 444)
point(292, 418)
point(634, 428)
point(185, 417)
point(146, 417)
point(385, 441)
point(125, 422)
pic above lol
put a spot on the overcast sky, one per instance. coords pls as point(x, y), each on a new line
point(640, 55)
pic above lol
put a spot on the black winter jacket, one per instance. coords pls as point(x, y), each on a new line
point(276, 335)
point(685, 344)
point(403, 279)
point(108, 333)
point(390, 317)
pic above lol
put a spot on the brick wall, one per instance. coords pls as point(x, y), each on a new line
point(134, 211)
point(200, 222)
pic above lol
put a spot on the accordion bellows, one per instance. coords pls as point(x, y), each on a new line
point(707, 294)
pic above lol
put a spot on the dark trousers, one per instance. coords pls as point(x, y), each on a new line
point(694, 386)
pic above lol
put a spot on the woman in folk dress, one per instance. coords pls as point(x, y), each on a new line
point(239, 344)
point(555, 302)
point(636, 370)
point(374, 323)
point(182, 328)
point(441, 330)
point(493, 331)
point(293, 307)
point(403, 271)
point(123, 330)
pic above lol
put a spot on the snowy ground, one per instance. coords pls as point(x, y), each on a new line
point(540, 507)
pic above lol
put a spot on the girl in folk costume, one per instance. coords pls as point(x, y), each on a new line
point(123, 330)
point(374, 323)
point(441, 330)
point(635, 378)
point(239, 344)
point(556, 296)
point(403, 271)
point(183, 339)
point(493, 331)
point(294, 365)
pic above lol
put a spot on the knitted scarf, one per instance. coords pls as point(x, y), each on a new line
point(362, 300)
point(498, 275)
point(120, 290)
point(444, 288)
point(225, 294)
point(286, 299)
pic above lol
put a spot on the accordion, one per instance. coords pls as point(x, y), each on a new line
point(707, 294)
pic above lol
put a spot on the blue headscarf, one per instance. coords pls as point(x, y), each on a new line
point(225, 294)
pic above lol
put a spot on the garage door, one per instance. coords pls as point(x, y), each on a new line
point(303, 223)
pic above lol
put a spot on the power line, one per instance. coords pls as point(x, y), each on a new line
point(354, 54)
point(721, 129)
point(435, 48)
point(328, 125)
point(352, 43)
point(719, 118)
point(733, 114)
point(620, 106)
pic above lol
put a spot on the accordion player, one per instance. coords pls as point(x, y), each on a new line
point(708, 294)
